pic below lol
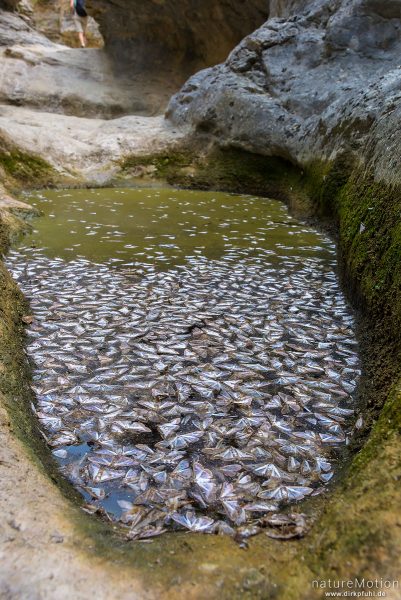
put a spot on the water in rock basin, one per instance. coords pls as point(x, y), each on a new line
point(194, 358)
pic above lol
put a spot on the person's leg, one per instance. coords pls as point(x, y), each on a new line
point(82, 39)
point(79, 29)
point(84, 22)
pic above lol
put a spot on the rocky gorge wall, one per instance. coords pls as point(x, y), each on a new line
point(174, 36)
point(323, 81)
point(307, 108)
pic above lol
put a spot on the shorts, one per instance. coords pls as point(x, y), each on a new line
point(81, 23)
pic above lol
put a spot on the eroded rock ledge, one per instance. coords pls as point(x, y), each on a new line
point(318, 79)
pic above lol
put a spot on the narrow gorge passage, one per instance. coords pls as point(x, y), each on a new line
point(194, 360)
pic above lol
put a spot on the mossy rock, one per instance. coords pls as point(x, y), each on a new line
point(25, 170)
point(21, 169)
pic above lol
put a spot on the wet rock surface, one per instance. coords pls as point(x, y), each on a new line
point(202, 396)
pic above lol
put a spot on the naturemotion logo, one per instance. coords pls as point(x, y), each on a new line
point(355, 588)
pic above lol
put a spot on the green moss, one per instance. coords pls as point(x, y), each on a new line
point(15, 376)
point(160, 166)
point(15, 392)
point(231, 171)
point(25, 169)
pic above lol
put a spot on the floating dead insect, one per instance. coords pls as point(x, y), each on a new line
point(190, 521)
point(202, 398)
point(286, 527)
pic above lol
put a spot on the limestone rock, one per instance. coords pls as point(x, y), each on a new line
point(16, 30)
point(47, 76)
point(317, 79)
point(176, 38)
point(25, 7)
point(84, 149)
point(55, 21)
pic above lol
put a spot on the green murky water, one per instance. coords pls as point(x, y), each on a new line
point(166, 226)
point(205, 381)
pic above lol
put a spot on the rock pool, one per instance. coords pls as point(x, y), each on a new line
point(194, 360)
